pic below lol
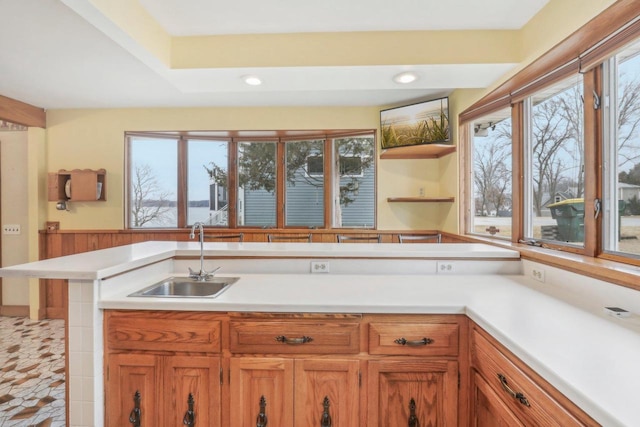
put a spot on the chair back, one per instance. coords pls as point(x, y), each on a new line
point(415, 238)
point(300, 238)
point(374, 238)
point(226, 237)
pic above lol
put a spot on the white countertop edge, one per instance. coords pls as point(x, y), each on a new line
point(105, 263)
point(199, 305)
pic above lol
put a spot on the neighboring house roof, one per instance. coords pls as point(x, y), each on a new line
point(564, 195)
point(625, 185)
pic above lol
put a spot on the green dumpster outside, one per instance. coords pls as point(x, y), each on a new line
point(569, 214)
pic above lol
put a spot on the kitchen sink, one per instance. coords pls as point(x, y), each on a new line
point(185, 287)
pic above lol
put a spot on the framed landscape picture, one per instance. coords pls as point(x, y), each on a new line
point(423, 123)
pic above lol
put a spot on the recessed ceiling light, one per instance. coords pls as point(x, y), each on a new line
point(252, 80)
point(406, 77)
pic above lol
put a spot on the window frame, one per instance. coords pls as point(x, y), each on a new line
point(585, 51)
point(233, 138)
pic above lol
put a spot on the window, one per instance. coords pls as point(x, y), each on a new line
point(208, 192)
point(304, 187)
point(622, 150)
point(492, 176)
point(153, 182)
point(351, 166)
point(177, 179)
point(257, 184)
point(315, 165)
point(354, 182)
point(575, 115)
point(554, 159)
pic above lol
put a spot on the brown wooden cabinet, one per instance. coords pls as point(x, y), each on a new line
point(503, 389)
point(150, 377)
point(313, 377)
point(416, 384)
point(294, 370)
point(132, 390)
point(78, 185)
point(414, 393)
point(256, 380)
point(490, 410)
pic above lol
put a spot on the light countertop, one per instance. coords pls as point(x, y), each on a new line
point(588, 357)
point(112, 261)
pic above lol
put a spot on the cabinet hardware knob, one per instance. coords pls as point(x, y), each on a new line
point(189, 419)
point(423, 341)
point(413, 420)
point(135, 415)
point(261, 421)
point(516, 395)
point(301, 340)
point(325, 420)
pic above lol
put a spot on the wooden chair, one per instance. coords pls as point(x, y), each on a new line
point(374, 238)
point(227, 237)
point(415, 238)
point(301, 238)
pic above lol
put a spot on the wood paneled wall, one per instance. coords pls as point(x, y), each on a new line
point(55, 243)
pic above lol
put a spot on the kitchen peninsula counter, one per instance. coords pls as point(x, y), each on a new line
point(589, 357)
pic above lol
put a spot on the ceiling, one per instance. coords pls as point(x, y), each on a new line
point(94, 54)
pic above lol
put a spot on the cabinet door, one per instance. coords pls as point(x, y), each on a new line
point(130, 375)
point(489, 410)
point(255, 378)
point(198, 377)
point(423, 391)
point(330, 384)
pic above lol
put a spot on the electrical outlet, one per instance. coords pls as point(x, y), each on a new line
point(537, 274)
point(11, 229)
point(445, 267)
point(319, 266)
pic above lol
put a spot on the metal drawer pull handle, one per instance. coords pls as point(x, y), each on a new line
point(516, 395)
point(301, 340)
point(325, 420)
point(413, 420)
point(136, 414)
point(261, 421)
point(189, 417)
point(423, 341)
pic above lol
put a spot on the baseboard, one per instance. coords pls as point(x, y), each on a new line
point(14, 310)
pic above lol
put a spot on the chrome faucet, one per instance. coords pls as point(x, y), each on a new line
point(202, 275)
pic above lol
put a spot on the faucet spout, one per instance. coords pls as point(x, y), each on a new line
point(202, 275)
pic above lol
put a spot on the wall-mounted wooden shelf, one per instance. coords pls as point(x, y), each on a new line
point(78, 185)
point(426, 151)
point(421, 199)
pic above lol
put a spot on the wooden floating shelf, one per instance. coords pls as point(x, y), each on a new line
point(426, 151)
point(421, 199)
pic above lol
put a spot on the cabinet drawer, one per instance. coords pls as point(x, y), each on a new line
point(182, 332)
point(294, 337)
point(528, 401)
point(414, 339)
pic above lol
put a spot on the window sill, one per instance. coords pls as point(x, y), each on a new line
point(598, 268)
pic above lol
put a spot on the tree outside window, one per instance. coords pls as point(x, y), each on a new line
point(556, 152)
point(492, 175)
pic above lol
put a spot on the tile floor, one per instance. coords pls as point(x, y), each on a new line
point(32, 381)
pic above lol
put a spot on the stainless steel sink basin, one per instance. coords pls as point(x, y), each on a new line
point(184, 287)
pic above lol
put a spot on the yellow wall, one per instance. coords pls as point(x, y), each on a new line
point(95, 138)
point(13, 148)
